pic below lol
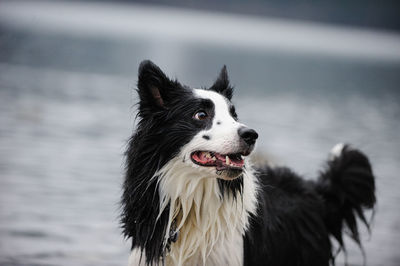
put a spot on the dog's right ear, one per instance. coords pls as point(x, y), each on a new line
point(222, 85)
point(154, 87)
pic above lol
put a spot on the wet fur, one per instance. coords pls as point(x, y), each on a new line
point(267, 216)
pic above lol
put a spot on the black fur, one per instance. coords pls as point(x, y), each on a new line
point(231, 187)
point(222, 84)
point(295, 218)
point(206, 137)
point(347, 186)
point(166, 123)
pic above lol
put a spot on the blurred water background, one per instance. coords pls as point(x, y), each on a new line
point(67, 79)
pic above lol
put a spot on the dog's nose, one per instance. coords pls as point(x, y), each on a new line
point(248, 135)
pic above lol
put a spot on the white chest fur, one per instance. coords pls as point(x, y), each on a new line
point(210, 226)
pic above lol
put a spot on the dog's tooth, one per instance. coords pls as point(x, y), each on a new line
point(208, 155)
point(228, 161)
point(213, 158)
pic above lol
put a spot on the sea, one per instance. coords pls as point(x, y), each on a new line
point(68, 104)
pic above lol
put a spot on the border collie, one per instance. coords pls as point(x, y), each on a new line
point(192, 197)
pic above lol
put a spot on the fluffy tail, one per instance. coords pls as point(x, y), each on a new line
point(348, 187)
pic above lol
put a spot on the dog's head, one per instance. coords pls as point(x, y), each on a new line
point(198, 126)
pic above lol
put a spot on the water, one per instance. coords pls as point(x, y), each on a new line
point(66, 105)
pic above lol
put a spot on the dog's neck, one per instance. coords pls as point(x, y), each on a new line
point(210, 214)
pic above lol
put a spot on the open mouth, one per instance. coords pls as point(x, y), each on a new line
point(233, 161)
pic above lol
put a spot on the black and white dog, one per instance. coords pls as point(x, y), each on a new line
point(191, 196)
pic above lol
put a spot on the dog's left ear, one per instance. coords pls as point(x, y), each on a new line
point(221, 85)
point(155, 89)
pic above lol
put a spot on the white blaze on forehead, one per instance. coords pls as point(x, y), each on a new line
point(223, 133)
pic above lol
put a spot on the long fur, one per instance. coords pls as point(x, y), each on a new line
point(297, 217)
point(347, 186)
point(176, 212)
point(206, 218)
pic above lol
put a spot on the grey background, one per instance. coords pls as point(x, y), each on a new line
point(67, 80)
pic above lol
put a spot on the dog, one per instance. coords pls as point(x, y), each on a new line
point(192, 197)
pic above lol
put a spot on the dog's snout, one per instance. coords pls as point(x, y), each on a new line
point(248, 135)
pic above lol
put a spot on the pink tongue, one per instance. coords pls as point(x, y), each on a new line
point(220, 162)
point(202, 158)
point(220, 157)
point(236, 162)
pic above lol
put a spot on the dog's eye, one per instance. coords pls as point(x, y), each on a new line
point(201, 115)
